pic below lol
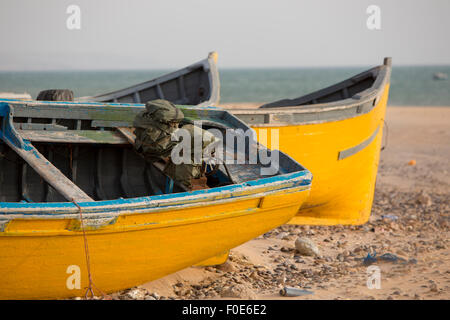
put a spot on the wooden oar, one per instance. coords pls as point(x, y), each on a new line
point(50, 173)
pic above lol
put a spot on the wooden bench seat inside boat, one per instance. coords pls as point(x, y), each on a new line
point(74, 136)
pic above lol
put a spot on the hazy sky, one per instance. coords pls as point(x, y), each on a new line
point(168, 34)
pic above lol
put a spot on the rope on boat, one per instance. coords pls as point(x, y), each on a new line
point(91, 286)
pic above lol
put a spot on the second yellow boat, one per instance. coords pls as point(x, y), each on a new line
point(337, 133)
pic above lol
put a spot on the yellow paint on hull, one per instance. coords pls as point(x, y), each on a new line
point(35, 254)
point(342, 192)
point(216, 260)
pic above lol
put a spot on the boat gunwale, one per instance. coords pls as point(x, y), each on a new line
point(94, 104)
point(361, 98)
point(83, 109)
point(111, 208)
point(99, 227)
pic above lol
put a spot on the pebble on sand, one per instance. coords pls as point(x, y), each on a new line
point(306, 247)
point(136, 294)
point(424, 199)
point(238, 291)
point(225, 267)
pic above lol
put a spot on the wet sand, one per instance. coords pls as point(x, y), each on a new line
point(413, 190)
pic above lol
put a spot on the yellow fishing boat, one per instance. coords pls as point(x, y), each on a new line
point(79, 209)
point(336, 133)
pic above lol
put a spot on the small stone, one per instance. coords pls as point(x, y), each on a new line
point(424, 199)
point(155, 295)
point(186, 292)
point(357, 250)
point(136, 294)
point(306, 247)
point(254, 275)
point(433, 287)
point(282, 235)
point(237, 291)
point(226, 267)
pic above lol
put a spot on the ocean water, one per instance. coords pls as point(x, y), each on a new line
point(409, 85)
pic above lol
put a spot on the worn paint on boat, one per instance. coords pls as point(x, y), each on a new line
point(133, 238)
point(196, 84)
point(336, 133)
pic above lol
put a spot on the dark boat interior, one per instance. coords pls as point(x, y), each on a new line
point(342, 90)
point(191, 85)
point(99, 160)
point(104, 172)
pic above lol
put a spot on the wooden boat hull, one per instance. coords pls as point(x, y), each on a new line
point(135, 232)
point(197, 84)
point(341, 149)
point(36, 255)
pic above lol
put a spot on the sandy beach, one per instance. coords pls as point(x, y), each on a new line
point(413, 195)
